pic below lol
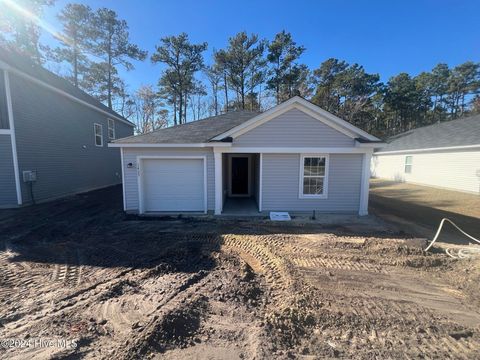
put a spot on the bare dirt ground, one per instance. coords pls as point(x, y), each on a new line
point(419, 209)
point(179, 288)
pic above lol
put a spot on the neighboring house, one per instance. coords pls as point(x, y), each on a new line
point(444, 155)
point(294, 157)
point(54, 132)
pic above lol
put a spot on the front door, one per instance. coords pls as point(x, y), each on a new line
point(240, 176)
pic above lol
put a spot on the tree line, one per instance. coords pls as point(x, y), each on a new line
point(250, 73)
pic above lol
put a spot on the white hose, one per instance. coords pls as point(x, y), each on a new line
point(462, 253)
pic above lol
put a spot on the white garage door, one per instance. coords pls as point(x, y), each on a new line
point(173, 185)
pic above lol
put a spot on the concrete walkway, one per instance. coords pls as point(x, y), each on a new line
point(418, 210)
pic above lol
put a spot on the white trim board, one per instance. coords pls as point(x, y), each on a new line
point(153, 157)
point(11, 69)
point(446, 148)
point(5, 132)
point(293, 150)
point(302, 105)
point(12, 137)
point(218, 161)
point(123, 181)
point(365, 184)
point(260, 185)
point(170, 145)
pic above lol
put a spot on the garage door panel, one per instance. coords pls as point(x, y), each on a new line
point(173, 184)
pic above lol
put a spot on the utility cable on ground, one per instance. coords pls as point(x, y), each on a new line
point(463, 253)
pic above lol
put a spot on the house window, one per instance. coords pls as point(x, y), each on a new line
point(408, 164)
point(111, 129)
point(98, 134)
point(313, 176)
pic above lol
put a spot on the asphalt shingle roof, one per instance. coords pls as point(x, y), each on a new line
point(460, 132)
point(28, 67)
point(195, 132)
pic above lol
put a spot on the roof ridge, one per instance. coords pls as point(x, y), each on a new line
point(439, 123)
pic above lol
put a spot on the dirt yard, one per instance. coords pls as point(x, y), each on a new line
point(419, 209)
point(119, 287)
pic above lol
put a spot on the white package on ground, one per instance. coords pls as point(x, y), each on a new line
point(280, 216)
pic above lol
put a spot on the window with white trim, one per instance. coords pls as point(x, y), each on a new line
point(98, 129)
point(313, 176)
point(111, 129)
point(408, 164)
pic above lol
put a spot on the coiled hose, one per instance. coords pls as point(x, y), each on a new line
point(462, 253)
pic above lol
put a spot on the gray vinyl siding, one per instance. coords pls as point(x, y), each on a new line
point(131, 175)
point(294, 128)
point(8, 190)
point(281, 176)
point(55, 137)
point(3, 103)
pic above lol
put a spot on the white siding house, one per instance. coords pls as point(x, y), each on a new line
point(294, 157)
point(445, 155)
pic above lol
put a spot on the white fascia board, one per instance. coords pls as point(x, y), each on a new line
point(446, 148)
point(10, 69)
point(295, 150)
point(302, 105)
point(374, 145)
point(169, 145)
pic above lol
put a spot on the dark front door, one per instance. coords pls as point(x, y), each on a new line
point(239, 175)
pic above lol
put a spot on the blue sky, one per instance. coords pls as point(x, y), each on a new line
point(386, 37)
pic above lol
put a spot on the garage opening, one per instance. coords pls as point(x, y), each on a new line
point(173, 184)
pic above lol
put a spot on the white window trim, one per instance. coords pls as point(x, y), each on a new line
point(301, 195)
point(95, 134)
point(407, 164)
point(111, 121)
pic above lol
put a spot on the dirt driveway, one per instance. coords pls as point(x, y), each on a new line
point(118, 287)
point(419, 209)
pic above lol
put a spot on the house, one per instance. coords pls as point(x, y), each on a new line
point(53, 136)
point(444, 155)
point(294, 157)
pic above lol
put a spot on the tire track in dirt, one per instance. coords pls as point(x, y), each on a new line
point(184, 297)
point(413, 335)
point(329, 262)
point(68, 273)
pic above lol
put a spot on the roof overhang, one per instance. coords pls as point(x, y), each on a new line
point(369, 144)
point(445, 148)
point(303, 105)
point(169, 145)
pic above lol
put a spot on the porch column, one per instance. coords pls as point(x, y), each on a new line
point(364, 189)
point(218, 181)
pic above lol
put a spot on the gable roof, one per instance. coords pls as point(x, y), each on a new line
point(195, 132)
point(22, 65)
point(307, 107)
point(223, 128)
point(460, 132)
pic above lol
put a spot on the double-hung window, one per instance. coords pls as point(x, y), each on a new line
point(408, 164)
point(313, 176)
point(98, 129)
point(111, 129)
